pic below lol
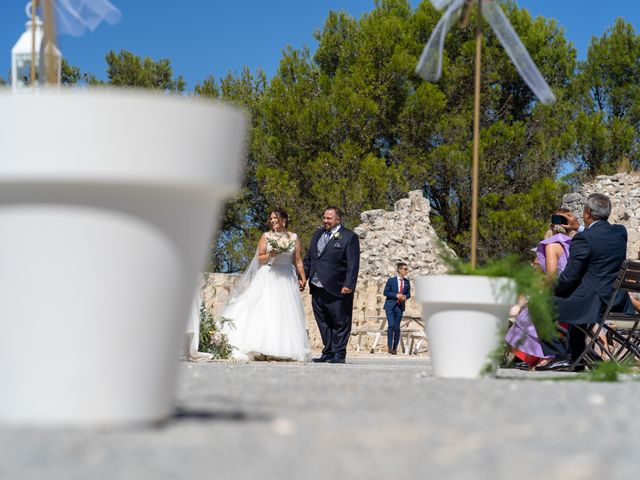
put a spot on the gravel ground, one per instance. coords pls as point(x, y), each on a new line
point(375, 417)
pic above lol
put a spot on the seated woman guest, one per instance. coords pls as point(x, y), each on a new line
point(552, 254)
point(397, 291)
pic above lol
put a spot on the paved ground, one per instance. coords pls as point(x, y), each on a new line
point(376, 417)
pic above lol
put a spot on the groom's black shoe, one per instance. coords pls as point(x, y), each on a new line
point(324, 358)
point(337, 360)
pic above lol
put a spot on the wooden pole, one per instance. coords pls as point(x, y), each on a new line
point(49, 42)
point(32, 72)
point(467, 14)
point(475, 173)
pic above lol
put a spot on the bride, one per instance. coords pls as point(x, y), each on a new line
point(266, 309)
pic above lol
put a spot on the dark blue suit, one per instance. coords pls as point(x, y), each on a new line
point(336, 266)
point(394, 309)
point(583, 289)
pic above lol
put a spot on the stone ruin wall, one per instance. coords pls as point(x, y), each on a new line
point(386, 238)
point(624, 191)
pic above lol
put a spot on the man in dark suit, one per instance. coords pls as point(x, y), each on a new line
point(583, 289)
point(396, 292)
point(331, 265)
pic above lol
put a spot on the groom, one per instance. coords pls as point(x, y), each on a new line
point(331, 265)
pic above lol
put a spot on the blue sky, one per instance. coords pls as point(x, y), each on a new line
point(211, 37)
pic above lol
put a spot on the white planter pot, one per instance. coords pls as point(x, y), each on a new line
point(107, 205)
point(463, 316)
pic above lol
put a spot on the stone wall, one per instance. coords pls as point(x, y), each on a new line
point(402, 235)
point(386, 238)
point(624, 191)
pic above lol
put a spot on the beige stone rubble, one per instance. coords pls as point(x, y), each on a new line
point(624, 191)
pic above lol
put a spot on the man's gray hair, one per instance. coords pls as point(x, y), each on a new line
point(600, 206)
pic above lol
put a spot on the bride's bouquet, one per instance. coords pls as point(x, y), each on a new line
point(280, 243)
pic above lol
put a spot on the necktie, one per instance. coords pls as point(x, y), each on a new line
point(401, 289)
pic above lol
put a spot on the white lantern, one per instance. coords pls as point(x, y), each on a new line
point(21, 56)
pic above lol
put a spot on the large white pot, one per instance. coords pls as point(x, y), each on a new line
point(463, 316)
point(107, 207)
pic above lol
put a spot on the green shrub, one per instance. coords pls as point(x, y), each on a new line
point(212, 338)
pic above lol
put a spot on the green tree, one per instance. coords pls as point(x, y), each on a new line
point(128, 70)
point(329, 119)
point(522, 141)
point(516, 222)
point(608, 126)
point(244, 216)
point(69, 75)
point(354, 126)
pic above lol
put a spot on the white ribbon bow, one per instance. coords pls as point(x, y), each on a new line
point(74, 17)
point(430, 64)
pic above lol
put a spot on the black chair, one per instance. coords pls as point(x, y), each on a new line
point(619, 329)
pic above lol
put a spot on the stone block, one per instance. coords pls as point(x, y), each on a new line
point(371, 215)
point(403, 205)
point(360, 232)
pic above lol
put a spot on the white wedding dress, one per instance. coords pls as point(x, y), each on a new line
point(268, 316)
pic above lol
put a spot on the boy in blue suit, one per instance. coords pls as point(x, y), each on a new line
point(397, 291)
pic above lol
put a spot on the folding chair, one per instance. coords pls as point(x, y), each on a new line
point(621, 329)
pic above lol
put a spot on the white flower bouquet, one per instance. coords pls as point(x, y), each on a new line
point(280, 243)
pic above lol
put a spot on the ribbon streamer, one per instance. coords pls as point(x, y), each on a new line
point(430, 64)
point(74, 17)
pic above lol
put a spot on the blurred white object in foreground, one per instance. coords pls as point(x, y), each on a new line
point(107, 208)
